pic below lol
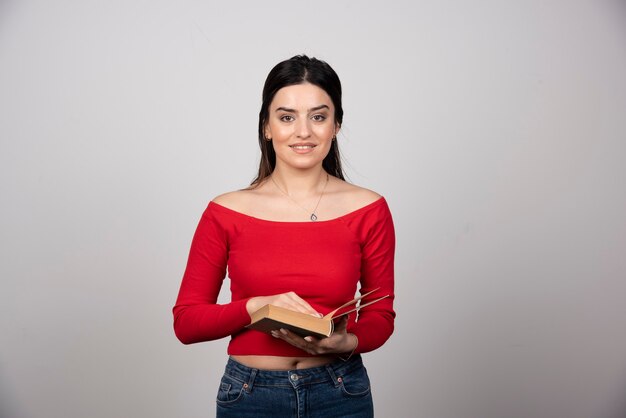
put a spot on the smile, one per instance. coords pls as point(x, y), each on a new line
point(302, 147)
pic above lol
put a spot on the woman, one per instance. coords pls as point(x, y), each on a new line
point(299, 237)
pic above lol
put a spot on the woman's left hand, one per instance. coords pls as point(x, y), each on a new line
point(339, 342)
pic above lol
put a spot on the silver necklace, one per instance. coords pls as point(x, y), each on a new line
point(313, 216)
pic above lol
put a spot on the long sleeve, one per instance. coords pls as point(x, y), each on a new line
point(323, 262)
point(197, 317)
point(375, 323)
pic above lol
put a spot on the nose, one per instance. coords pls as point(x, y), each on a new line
point(302, 128)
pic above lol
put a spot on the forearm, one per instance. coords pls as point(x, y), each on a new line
point(372, 329)
point(206, 322)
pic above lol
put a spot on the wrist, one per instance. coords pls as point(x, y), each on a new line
point(253, 304)
point(353, 343)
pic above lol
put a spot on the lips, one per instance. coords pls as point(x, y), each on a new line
point(302, 146)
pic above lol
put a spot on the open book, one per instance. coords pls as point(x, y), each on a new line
point(270, 318)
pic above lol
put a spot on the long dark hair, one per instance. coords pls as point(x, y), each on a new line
point(298, 70)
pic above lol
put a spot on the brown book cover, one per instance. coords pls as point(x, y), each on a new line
point(270, 318)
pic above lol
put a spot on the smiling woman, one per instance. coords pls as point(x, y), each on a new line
point(302, 238)
point(301, 125)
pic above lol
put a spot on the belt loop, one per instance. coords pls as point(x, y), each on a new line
point(248, 386)
point(333, 376)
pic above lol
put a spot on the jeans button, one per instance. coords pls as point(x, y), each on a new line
point(294, 377)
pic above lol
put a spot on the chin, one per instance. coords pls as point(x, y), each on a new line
point(306, 166)
point(301, 163)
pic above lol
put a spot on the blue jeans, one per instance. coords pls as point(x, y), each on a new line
point(339, 389)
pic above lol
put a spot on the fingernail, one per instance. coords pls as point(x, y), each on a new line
point(309, 339)
point(274, 334)
point(283, 331)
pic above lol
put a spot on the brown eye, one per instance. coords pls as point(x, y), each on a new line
point(287, 118)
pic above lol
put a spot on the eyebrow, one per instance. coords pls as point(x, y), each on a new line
point(313, 109)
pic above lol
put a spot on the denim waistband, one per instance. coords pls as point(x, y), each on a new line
point(297, 377)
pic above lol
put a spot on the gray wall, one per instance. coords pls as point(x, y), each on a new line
point(495, 129)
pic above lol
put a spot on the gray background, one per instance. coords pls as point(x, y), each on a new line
point(495, 129)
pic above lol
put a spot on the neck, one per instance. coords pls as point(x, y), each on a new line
point(300, 183)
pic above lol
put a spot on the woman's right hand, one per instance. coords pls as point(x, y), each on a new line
point(289, 300)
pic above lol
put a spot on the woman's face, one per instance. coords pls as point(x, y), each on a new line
point(301, 124)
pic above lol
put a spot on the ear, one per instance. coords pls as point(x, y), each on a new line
point(337, 128)
point(266, 131)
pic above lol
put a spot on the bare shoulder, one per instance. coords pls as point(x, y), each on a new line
point(238, 200)
point(362, 196)
point(352, 197)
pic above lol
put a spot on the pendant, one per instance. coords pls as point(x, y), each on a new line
point(313, 217)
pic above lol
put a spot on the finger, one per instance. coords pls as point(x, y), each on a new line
point(312, 339)
point(301, 305)
point(310, 344)
point(289, 301)
point(297, 341)
point(341, 325)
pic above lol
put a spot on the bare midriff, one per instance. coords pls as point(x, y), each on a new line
point(283, 363)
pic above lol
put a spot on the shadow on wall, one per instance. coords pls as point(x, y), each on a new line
point(620, 10)
point(619, 411)
point(6, 7)
point(8, 407)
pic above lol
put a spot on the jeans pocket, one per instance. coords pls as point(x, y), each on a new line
point(230, 391)
point(355, 383)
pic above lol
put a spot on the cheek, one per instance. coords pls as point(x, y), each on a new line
point(327, 146)
point(325, 131)
point(278, 131)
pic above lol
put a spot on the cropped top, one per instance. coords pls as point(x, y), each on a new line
point(322, 262)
